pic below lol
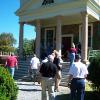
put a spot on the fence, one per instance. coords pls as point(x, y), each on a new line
point(5, 53)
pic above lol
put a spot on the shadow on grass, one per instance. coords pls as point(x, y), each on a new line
point(89, 95)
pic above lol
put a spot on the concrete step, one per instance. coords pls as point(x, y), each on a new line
point(22, 72)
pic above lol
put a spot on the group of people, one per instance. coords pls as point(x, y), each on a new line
point(50, 73)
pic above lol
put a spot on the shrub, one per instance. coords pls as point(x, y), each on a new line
point(8, 88)
point(94, 73)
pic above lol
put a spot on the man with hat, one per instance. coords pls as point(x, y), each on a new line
point(77, 74)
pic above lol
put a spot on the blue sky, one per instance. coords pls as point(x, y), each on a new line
point(9, 21)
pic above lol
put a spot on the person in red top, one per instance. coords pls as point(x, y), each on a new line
point(71, 54)
point(11, 63)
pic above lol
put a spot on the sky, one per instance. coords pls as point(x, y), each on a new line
point(9, 22)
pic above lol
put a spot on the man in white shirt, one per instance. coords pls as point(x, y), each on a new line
point(77, 74)
point(34, 67)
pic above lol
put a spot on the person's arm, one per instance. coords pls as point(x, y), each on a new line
point(70, 78)
point(16, 64)
point(6, 63)
point(71, 70)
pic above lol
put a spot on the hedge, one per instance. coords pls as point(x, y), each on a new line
point(94, 73)
point(8, 88)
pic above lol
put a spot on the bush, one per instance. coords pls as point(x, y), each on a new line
point(8, 88)
point(94, 73)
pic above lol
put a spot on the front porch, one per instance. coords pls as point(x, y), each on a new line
point(53, 21)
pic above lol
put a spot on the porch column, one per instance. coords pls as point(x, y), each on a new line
point(38, 32)
point(58, 35)
point(84, 37)
point(21, 39)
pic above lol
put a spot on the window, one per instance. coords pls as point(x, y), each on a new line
point(90, 34)
point(49, 39)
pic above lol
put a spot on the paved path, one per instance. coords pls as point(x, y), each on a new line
point(29, 91)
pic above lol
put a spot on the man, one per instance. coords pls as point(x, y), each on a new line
point(11, 63)
point(48, 71)
point(78, 72)
point(34, 67)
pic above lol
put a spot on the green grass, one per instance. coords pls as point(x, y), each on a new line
point(88, 86)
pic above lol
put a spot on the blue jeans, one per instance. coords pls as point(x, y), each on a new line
point(11, 71)
point(77, 89)
point(71, 58)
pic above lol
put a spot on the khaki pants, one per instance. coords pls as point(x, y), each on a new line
point(47, 84)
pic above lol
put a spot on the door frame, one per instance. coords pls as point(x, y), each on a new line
point(68, 35)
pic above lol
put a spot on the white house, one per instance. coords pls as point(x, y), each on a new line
point(59, 23)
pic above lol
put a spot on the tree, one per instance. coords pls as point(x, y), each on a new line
point(6, 42)
point(28, 46)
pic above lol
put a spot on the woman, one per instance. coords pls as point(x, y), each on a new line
point(58, 76)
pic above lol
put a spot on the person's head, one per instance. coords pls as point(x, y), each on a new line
point(57, 54)
point(77, 57)
point(50, 58)
point(73, 45)
point(12, 54)
point(34, 55)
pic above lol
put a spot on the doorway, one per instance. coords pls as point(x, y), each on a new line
point(66, 44)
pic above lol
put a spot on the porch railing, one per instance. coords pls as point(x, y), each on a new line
point(5, 53)
point(93, 53)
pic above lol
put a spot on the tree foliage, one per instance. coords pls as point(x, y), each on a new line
point(6, 42)
point(28, 46)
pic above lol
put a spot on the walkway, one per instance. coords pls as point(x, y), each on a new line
point(29, 91)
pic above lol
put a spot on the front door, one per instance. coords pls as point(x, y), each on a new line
point(66, 44)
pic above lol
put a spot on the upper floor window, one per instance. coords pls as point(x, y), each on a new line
point(46, 2)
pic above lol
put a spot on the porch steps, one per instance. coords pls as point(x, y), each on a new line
point(22, 73)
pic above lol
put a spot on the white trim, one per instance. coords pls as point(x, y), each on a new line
point(80, 32)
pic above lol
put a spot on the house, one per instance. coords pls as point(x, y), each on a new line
point(59, 23)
